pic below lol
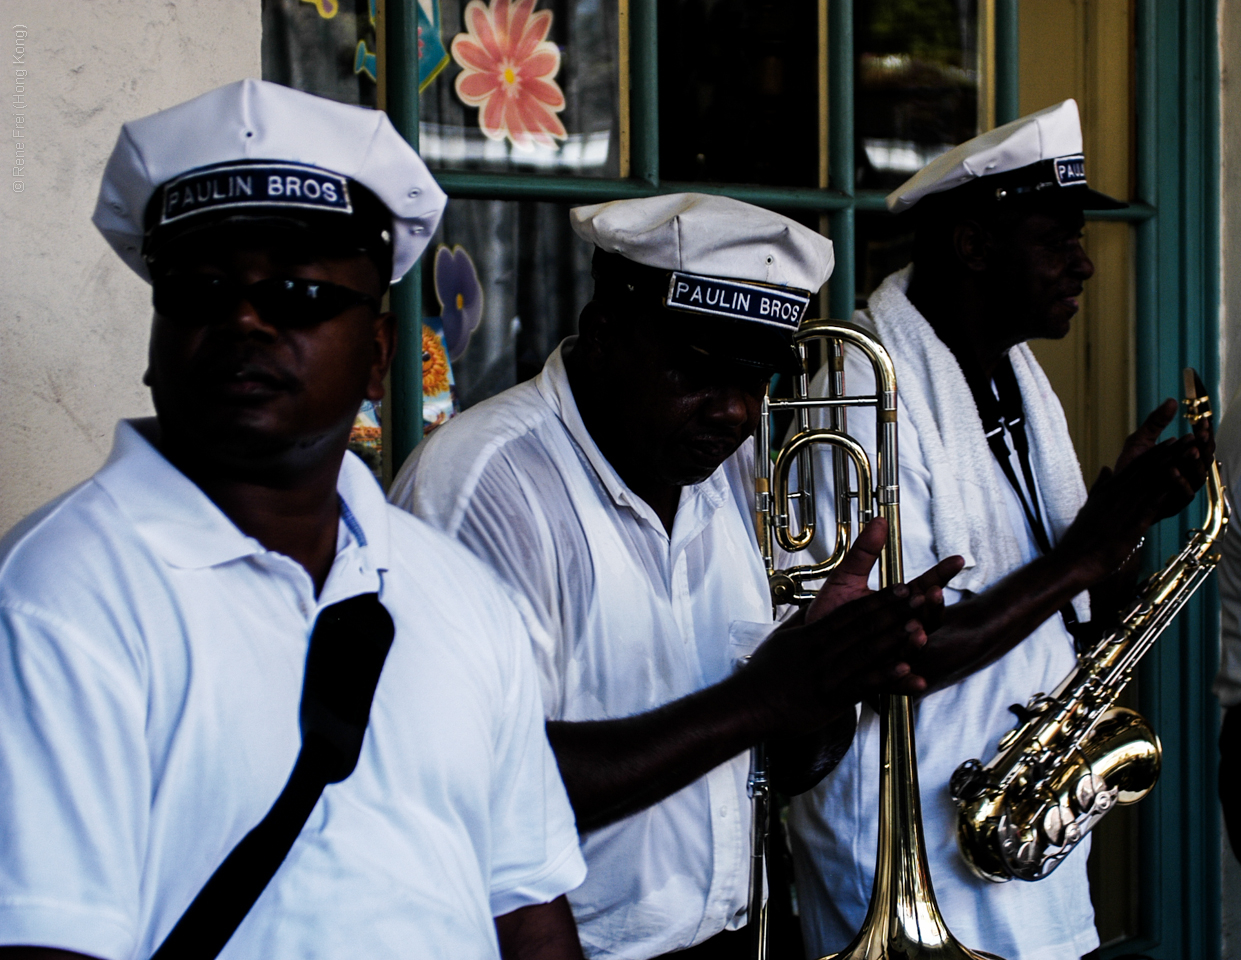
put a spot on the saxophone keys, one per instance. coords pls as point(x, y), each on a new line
point(1092, 790)
point(1009, 837)
point(1072, 834)
point(1059, 826)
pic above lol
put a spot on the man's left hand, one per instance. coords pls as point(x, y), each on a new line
point(850, 579)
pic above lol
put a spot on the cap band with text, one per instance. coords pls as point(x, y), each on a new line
point(738, 300)
point(242, 185)
point(1070, 171)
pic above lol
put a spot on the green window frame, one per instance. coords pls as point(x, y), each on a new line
point(1175, 222)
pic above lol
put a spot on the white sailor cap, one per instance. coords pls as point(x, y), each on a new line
point(259, 151)
point(1039, 155)
point(715, 257)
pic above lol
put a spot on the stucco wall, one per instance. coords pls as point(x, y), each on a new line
point(73, 318)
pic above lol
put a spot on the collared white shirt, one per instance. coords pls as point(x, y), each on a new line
point(634, 618)
point(151, 662)
point(835, 828)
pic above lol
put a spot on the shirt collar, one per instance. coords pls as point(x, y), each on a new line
point(553, 385)
point(187, 530)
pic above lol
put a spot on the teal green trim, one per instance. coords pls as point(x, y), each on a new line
point(1176, 277)
point(840, 135)
point(501, 186)
point(871, 201)
point(405, 405)
point(840, 295)
point(1136, 212)
point(1007, 62)
point(644, 90)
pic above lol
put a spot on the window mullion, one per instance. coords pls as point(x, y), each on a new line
point(404, 407)
point(644, 90)
point(840, 152)
point(1007, 72)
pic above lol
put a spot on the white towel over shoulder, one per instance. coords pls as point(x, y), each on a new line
point(968, 514)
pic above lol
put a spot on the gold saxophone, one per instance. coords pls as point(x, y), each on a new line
point(1074, 754)
point(903, 920)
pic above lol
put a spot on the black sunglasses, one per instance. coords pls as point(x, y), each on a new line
point(199, 299)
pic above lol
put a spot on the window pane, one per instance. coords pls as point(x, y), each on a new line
point(529, 86)
point(884, 244)
point(738, 94)
point(916, 84)
point(326, 47)
point(508, 280)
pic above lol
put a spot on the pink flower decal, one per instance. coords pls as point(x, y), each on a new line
point(507, 70)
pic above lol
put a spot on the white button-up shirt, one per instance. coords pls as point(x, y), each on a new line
point(634, 618)
point(835, 827)
point(151, 664)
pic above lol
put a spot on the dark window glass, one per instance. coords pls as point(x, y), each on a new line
point(916, 85)
point(738, 95)
point(884, 245)
point(325, 47)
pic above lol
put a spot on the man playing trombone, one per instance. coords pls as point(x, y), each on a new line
point(614, 492)
point(987, 471)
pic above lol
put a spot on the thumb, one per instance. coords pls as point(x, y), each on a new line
point(861, 557)
point(850, 578)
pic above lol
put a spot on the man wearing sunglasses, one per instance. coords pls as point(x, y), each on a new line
point(187, 639)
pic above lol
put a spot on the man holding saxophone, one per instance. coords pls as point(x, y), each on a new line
point(988, 472)
point(615, 494)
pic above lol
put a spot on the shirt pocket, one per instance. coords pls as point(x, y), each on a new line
point(744, 637)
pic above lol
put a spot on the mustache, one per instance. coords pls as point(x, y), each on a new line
point(244, 366)
point(717, 436)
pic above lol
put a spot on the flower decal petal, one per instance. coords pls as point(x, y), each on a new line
point(508, 70)
point(460, 295)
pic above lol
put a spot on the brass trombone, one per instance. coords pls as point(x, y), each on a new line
point(903, 921)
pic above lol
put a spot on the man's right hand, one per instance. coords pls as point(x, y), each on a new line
point(851, 644)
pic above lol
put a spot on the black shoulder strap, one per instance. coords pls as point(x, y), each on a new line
point(348, 646)
point(1008, 413)
point(1011, 416)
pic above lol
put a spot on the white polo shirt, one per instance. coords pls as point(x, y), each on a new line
point(634, 618)
point(151, 662)
point(834, 827)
